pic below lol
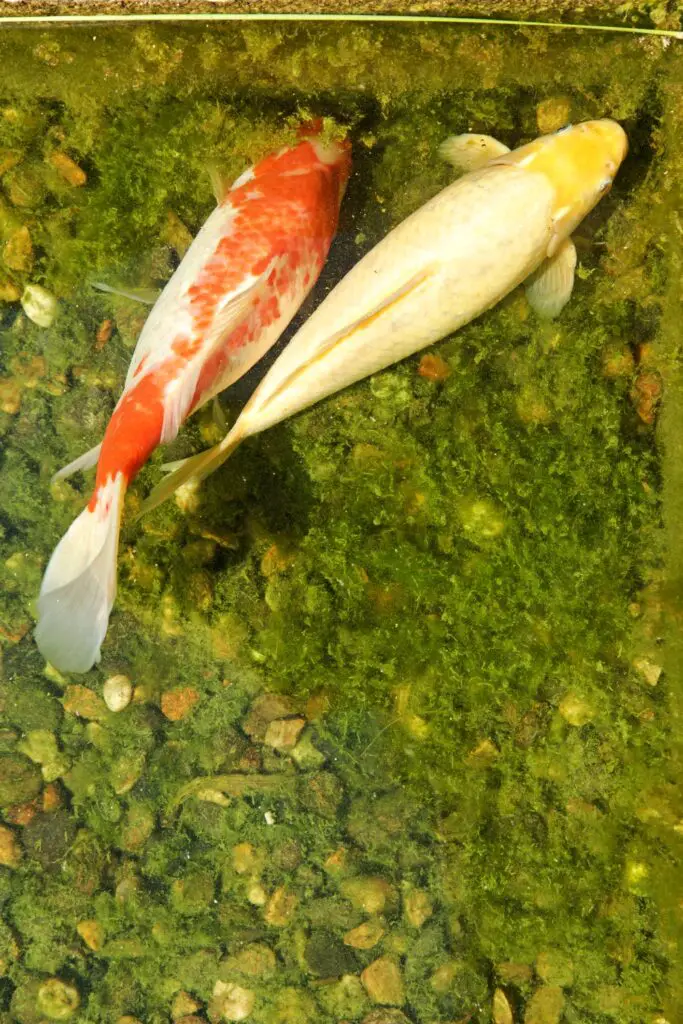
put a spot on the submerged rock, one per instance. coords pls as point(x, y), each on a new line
point(58, 999)
point(117, 692)
point(327, 957)
point(383, 982)
point(20, 779)
point(10, 850)
point(39, 305)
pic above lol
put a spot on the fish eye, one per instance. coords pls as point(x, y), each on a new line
point(604, 186)
point(562, 131)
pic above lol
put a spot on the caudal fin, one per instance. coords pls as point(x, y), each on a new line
point(199, 466)
point(79, 585)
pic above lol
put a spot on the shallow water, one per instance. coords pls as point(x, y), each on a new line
point(455, 591)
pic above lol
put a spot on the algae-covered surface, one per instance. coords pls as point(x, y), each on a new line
point(395, 727)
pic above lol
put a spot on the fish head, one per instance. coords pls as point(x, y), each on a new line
point(580, 162)
point(334, 154)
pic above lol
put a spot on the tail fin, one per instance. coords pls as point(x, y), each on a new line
point(199, 466)
point(79, 585)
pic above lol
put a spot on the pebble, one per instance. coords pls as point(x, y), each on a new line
point(117, 692)
point(255, 960)
point(501, 1010)
point(555, 969)
point(553, 113)
point(283, 733)
point(575, 710)
point(545, 1006)
point(247, 859)
point(10, 395)
point(92, 933)
point(57, 999)
point(17, 253)
point(443, 977)
point(177, 704)
point(39, 305)
point(365, 936)
point(481, 519)
point(20, 779)
point(434, 368)
point(9, 292)
point(370, 894)
point(184, 1005)
point(418, 907)
point(68, 169)
point(306, 755)
point(10, 850)
point(511, 973)
point(264, 710)
point(280, 908)
point(84, 703)
point(646, 394)
point(648, 670)
point(257, 895)
point(383, 982)
point(231, 1002)
point(104, 333)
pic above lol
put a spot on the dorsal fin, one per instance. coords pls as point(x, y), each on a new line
point(469, 152)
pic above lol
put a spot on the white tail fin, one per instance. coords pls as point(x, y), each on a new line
point(79, 585)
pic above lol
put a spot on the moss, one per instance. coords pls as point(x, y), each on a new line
point(460, 568)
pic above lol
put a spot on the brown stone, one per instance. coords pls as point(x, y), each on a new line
point(68, 169)
point(177, 704)
point(545, 1006)
point(104, 333)
point(92, 933)
point(263, 711)
point(434, 368)
point(383, 982)
point(365, 936)
point(18, 251)
point(85, 703)
point(418, 907)
point(280, 907)
point(282, 734)
point(368, 893)
point(10, 850)
point(501, 1009)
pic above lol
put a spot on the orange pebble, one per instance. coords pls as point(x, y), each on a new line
point(104, 333)
point(434, 368)
point(177, 704)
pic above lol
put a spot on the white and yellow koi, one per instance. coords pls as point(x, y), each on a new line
point(507, 221)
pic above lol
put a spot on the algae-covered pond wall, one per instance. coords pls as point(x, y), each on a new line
point(402, 738)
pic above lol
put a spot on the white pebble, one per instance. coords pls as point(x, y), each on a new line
point(117, 693)
point(39, 305)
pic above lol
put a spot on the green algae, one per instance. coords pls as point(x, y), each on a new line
point(450, 580)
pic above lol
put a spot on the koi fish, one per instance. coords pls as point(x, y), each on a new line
point(240, 283)
point(508, 220)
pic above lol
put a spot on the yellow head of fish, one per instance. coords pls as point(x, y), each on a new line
point(580, 161)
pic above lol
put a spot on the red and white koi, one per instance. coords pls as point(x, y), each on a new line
point(508, 220)
point(237, 288)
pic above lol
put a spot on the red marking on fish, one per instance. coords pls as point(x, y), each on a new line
point(283, 217)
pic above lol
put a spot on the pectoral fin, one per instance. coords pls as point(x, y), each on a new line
point(147, 296)
point(470, 152)
point(550, 287)
point(199, 466)
point(86, 461)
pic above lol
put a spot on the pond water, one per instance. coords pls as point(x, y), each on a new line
point(395, 738)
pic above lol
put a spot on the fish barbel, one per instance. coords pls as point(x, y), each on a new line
point(507, 221)
point(240, 283)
